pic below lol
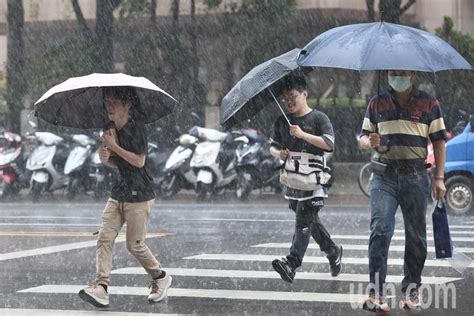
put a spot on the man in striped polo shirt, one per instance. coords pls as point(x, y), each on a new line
point(401, 121)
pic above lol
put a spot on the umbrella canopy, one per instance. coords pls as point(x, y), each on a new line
point(251, 94)
point(79, 102)
point(381, 46)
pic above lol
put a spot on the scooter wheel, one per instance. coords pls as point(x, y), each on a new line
point(72, 189)
point(36, 190)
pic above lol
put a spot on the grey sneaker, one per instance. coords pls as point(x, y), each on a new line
point(96, 295)
point(159, 289)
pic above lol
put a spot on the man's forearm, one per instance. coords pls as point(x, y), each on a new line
point(275, 152)
point(317, 141)
point(130, 157)
point(439, 149)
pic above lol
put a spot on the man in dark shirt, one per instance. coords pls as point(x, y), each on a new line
point(310, 132)
point(131, 199)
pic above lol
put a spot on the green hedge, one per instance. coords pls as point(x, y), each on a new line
point(338, 102)
point(346, 118)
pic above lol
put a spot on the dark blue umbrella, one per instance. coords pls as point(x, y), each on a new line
point(381, 46)
point(258, 88)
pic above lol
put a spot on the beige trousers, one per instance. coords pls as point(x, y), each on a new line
point(114, 216)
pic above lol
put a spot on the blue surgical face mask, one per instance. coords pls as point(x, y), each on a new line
point(399, 83)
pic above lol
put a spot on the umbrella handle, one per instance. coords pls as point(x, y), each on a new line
point(382, 149)
point(279, 106)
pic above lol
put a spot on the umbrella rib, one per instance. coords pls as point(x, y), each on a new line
point(426, 57)
point(367, 51)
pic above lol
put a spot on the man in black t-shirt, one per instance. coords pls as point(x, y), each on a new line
point(131, 199)
point(310, 132)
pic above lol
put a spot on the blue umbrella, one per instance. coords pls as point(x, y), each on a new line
point(258, 88)
point(381, 46)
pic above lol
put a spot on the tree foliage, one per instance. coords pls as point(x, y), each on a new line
point(60, 61)
point(16, 83)
point(268, 29)
point(102, 38)
point(390, 10)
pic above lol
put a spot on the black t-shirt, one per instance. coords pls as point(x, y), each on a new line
point(315, 122)
point(135, 184)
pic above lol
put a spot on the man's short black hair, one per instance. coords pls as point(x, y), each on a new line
point(124, 93)
point(297, 82)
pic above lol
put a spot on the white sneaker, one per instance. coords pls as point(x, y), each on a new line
point(95, 295)
point(159, 289)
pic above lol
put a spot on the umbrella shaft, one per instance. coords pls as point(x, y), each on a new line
point(279, 106)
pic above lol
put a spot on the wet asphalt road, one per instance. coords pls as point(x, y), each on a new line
point(219, 255)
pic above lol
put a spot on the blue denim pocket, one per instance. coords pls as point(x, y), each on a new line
point(416, 182)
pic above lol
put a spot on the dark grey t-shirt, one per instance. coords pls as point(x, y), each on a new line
point(135, 184)
point(316, 123)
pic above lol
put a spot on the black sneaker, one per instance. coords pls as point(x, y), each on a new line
point(286, 272)
point(335, 261)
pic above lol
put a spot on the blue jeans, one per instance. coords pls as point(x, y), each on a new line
point(409, 191)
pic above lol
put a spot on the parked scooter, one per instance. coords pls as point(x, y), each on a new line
point(47, 164)
point(12, 164)
point(256, 167)
point(178, 173)
point(101, 177)
point(213, 161)
point(77, 166)
point(157, 160)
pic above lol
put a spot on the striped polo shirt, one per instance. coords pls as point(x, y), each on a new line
point(405, 129)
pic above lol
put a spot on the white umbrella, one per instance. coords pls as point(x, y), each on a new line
point(79, 102)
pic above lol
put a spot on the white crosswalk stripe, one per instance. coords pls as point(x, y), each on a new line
point(393, 248)
point(217, 273)
point(399, 237)
point(452, 232)
point(211, 293)
point(61, 312)
point(311, 259)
